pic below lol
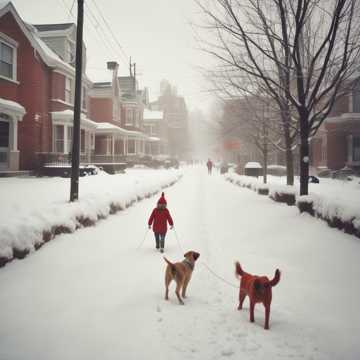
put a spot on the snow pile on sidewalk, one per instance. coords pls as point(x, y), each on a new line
point(340, 212)
point(335, 201)
point(35, 210)
point(249, 182)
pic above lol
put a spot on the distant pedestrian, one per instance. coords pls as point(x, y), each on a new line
point(159, 219)
point(209, 165)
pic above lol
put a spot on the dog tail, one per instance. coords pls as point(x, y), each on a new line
point(172, 266)
point(276, 278)
point(238, 270)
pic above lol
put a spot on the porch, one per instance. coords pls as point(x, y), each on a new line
point(10, 114)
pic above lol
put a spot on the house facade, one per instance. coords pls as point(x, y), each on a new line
point(36, 93)
point(156, 129)
point(337, 143)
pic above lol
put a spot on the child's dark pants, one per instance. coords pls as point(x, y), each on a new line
point(160, 240)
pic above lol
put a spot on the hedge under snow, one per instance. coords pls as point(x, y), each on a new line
point(34, 210)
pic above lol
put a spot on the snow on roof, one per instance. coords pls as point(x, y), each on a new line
point(48, 56)
point(252, 165)
point(53, 27)
point(12, 106)
point(68, 116)
point(154, 139)
point(153, 115)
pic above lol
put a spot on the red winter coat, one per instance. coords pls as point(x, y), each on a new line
point(160, 218)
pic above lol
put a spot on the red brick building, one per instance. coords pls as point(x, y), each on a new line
point(337, 142)
point(37, 91)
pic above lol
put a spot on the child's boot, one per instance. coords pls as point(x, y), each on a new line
point(162, 243)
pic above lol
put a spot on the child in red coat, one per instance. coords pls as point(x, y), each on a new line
point(159, 218)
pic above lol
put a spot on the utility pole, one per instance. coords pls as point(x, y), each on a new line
point(75, 154)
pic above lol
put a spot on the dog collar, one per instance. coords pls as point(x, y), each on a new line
point(189, 264)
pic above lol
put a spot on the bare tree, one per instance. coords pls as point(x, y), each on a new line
point(247, 118)
point(303, 51)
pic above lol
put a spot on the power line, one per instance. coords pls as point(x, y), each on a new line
point(97, 25)
point(111, 32)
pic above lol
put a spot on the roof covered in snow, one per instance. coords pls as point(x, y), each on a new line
point(49, 57)
point(252, 165)
point(153, 115)
point(53, 27)
point(67, 116)
point(11, 106)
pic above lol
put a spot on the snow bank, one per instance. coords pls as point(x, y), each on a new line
point(334, 201)
point(342, 213)
point(39, 210)
point(277, 192)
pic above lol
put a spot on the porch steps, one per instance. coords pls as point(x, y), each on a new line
point(8, 173)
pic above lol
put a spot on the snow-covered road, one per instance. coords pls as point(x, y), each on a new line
point(93, 295)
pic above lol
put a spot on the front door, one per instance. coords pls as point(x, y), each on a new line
point(4, 144)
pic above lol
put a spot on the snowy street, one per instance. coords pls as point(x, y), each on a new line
point(95, 295)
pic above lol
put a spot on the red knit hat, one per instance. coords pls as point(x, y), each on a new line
point(162, 200)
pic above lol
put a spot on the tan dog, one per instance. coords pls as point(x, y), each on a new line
point(181, 273)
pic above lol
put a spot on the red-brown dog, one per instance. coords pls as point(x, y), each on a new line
point(258, 288)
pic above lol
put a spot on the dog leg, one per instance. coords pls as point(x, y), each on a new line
point(242, 296)
point(186, 282)
point(167, 283)
point(177, 292)
point(252, 308)
point(267, 317)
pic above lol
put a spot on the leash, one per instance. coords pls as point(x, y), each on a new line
point(206, 265)
point(143, 240)
point(218, 276)
point(178, 241)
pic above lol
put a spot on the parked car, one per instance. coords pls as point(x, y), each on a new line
point(171, 163)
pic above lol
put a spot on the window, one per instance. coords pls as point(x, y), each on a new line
point(82, 141)
point(131, 146)
point(69, 139)
point(59, 139)
point(356, 148)
point(69, 52)
point(83, 98)
point(92, 141)
point(68, 90)
point(129, 117)
point(356, 98)
point(136, 118)
point(7, 63)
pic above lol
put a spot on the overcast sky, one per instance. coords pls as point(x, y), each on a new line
point(156, 34)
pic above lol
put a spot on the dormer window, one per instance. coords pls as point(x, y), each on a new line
point(7, 61)
point(69, 52)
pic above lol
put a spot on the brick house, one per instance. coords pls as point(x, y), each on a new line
point(156, 128)
point(37, 92)
point(337, 143)
point(176, 117)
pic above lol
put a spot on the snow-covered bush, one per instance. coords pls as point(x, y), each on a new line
point(28, 231)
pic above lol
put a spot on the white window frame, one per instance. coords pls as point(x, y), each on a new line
point(353, 138)
point(129, 120)
point(83, 98)
point(4, 39)
point(56, 140)
point(68, 92)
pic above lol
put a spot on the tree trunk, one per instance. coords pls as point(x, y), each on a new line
point(304, 155)
point(265, 164)
point(288, 148)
